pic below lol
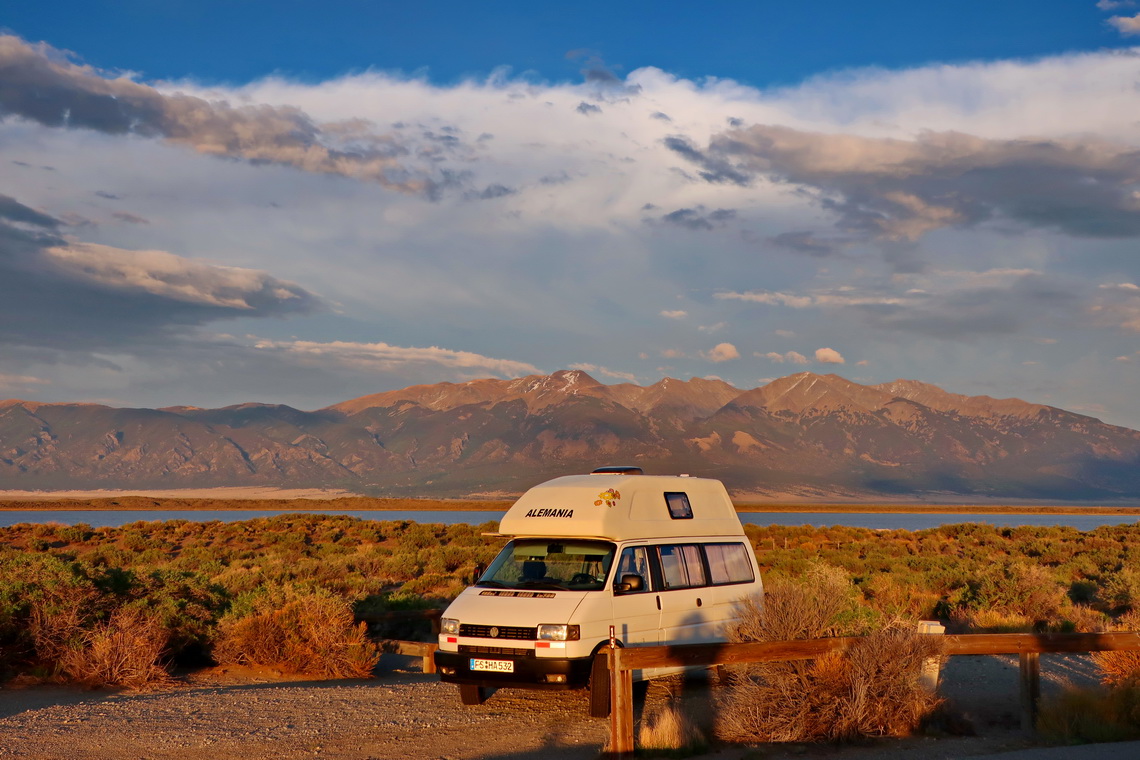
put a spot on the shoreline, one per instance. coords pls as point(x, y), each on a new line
point(137, 503)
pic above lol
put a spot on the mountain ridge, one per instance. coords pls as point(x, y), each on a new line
point(802, 434)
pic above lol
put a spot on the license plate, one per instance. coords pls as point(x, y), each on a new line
point(494, 666)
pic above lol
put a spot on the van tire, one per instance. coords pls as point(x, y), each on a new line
point(599, 687)
point(470, 694)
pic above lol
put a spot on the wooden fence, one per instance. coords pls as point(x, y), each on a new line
point(1029, 646)
point(422, 649)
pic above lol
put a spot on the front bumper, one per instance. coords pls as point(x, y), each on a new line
point(529, 672)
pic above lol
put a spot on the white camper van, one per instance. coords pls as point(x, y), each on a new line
point(662, 559)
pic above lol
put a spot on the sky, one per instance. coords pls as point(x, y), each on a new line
point(207, 203)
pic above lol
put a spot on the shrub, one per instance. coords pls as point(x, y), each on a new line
point(873, 689)
point(822, 603)
point(302, 632)
point(124, 651)
point(1121, 668)
point(1122, 590)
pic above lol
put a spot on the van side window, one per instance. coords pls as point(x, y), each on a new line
point(635, 561)
point(728, 563)
point(681, 566)
point(679, 507)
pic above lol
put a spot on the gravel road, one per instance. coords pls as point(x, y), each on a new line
point(402, 713)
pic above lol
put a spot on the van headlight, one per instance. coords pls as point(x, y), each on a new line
point(449, 625)
point(557, 632)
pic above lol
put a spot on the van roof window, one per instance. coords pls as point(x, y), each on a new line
point(679, 507)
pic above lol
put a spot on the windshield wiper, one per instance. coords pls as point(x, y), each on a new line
point(541, 584)
point(491, 584)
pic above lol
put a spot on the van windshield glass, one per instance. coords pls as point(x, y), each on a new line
point(554, 564)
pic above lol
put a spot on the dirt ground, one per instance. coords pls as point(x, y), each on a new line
point(232, 713)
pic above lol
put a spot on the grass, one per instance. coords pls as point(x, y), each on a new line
point(1082, 716)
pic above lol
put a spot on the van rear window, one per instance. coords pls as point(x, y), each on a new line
point(728, 563)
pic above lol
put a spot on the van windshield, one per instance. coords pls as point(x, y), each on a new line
point(554, 564)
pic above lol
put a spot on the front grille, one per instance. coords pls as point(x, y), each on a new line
point(510, 651)
point(504, 632)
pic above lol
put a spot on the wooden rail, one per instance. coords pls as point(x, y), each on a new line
point(1029, 646)
point(422, 649)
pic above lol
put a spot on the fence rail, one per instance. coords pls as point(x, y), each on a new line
point(1028, 646)
point(422, 649)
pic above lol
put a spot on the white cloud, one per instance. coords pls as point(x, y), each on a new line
point(385, 358)
point(713, 328)
point(775, 299)
point(1126, 25)
point(828, 356)
point(546, 233)
point(164, 274)
point(792, 357)
point(1117, 305)
point(629, 377)
point(722, 352)
point(21, 381)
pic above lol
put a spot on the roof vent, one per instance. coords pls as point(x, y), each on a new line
point(618, 470)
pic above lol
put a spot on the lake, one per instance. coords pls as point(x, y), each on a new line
point(877, 520)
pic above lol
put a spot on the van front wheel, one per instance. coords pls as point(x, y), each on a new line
point(469, 694)
point(600, 687)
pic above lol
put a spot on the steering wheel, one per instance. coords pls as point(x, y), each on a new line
point(582, 578)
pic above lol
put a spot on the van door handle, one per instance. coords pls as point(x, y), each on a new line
point(698, 601)
point(658, 602)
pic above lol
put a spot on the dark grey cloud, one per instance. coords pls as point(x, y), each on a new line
point(490, 192)
point(106, 195)
point(595, 71)
point(60, 293)
point(40, 84)
point(661, 116)
point(587, 108)
point(713, 168)
point(805, 242)
point(899, 190)
point(699, 218)
point(124, 216)
point(561, 178)
point(12, 210)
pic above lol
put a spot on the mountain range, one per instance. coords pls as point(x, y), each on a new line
point(805, 436)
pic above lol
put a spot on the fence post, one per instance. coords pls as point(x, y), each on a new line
point(931, 666)
point(429, 658)
point(621, 703)
point(1030, 672)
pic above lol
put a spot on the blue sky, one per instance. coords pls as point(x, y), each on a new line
point(208, 203)
point(759, 43)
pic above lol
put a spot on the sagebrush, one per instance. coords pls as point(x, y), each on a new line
point(873, 689)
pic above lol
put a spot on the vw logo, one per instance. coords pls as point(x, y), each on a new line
point(494, 632)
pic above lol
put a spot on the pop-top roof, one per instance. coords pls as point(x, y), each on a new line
point(622, 507)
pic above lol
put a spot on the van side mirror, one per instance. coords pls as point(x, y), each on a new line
point(630, 583)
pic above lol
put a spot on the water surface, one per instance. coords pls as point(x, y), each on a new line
point(877, 520)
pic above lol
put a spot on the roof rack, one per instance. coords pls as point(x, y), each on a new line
point(618, 470)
